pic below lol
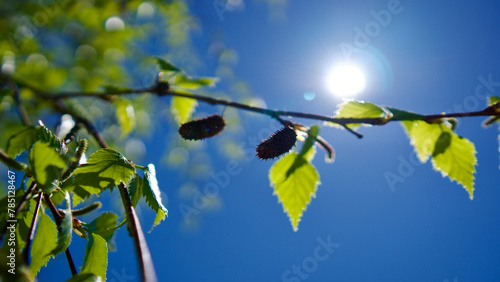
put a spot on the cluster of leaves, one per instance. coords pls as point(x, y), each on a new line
point(295, 179)
point(59, 176)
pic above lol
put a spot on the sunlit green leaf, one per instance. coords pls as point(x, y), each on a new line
point(46, 164)
point(95, 260)
point(66, 228)
point(166, 65)
point(423, 137)
point(193, 83)
point(104, 226)
point(182, 108)
point(125, 115)
point(452, 155)
point(455, 157)
point(21, 140)
point(398, 114)
point(152, 194)
point(105, 168)
point(360, 109)
point(45, 241)
point(294, 189)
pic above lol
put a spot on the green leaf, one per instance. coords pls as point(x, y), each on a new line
point(135, 190)
point(66, 228)
point(21, 140)
point(296, 188)
point(166, 65)
point(193, 83)
point(182, 108)
point(104, 169)
point(104, 226)
point(45, 241)
point(46, 164)
point(492, 100)
point(152, 194)
point(398, 114)
point(455, 157)
point(452, 155)
point(125, 115)
point(95, 260)
point(360, 109)
point(423, 137)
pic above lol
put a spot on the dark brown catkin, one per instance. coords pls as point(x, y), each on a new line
point(277, 144)
point(202, 128)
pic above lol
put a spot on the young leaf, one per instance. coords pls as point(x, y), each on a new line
point(152, 194)
point(166, 65)
point(398, 114)
point(182, 108)
point(95, 260)
point(360, 109)
point(455, 157)
point(423, 137)
point(193, 83)
point(104, 226)
point(452, 155)
point(46, 164)
point(21, 140)
point(135, 190)
point(294, 189)
point(125, 115)
point(66, 228)
point(105, 168)
point(45, 241)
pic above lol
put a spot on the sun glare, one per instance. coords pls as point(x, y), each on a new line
point(346, 81)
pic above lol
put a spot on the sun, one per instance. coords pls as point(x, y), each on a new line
point(346, 81)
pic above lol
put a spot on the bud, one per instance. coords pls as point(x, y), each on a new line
point(202, 128)
point(277, 144)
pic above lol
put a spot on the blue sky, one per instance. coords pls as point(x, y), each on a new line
point(428, 58)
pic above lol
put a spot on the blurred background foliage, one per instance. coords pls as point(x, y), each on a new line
point(64, 45)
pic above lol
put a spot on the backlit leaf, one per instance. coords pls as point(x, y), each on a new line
point(45, 241)
point(360, 109)
point(455, 157)
point(423, 137)
point(21, 140)
point(95, 260)
point(294, 188)
point(452, 155)
point(104, 226)
point(193, 83)
point(105, 168)
point(166, 65)
point(125, 115)
point(152, 194)
point(46, 164)
point(182, 108)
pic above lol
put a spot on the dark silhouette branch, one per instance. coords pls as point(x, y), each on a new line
point(31, 236)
